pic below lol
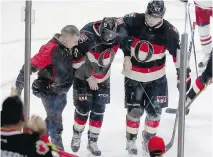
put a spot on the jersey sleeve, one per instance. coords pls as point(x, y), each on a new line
point(125, 29)
point(86, 42)
point(173, 45)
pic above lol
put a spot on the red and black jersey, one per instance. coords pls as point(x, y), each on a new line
point(148, 48)
point(15, 143)
point(99, 55)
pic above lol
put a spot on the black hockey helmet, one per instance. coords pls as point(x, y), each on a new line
point(156, 8)
point(108, 29)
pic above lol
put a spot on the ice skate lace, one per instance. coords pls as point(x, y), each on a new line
point(132, 144)
point(76, 140)
point(94, 146)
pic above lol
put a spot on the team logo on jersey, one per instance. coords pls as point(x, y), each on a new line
point(161, 99)
point(83, 38)
point(175, 29)
point(101, 57)
point(41, 147)
point(138, 47)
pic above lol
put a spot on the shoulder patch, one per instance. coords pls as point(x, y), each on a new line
point(130, 15)
point(119, 21)
point(83, 37)
point(41, 147)
point(175, 29)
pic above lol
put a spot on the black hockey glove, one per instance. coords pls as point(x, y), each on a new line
point(42, 87)
point(126, 43)
point(188, 79)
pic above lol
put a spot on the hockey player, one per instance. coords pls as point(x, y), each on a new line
point(201, 82)
point(156, 147)
point(203, 12)
point(55, 77)
point(91, 87)
point(144, 69)
point(16, 143)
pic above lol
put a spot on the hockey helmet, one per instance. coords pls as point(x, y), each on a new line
point(155, 12)
point(108, 29)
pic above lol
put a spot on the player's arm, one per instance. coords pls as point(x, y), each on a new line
point(128, 22)
point(39, 61)
point(173, 46)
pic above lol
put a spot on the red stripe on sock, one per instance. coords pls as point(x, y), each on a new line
point(153, 124)
point(79, 121)
point(95, 123)
point(132, 124)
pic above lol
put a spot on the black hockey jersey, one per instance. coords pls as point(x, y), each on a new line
point(148, 48)
point(17, 144)
point(99, 55)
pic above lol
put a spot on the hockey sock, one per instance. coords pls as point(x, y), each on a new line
point(80, 120)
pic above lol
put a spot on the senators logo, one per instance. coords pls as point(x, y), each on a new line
point(137, 50)
point(101, 58)
point(41, 147)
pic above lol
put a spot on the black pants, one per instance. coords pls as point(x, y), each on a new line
point(90, 103)
point(148, 96)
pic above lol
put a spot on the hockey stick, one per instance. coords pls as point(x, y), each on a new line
point(192, 43)
point(171, 142)
point(188, 103)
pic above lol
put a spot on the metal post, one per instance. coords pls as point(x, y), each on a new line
point(27, 66)
point(182, 93)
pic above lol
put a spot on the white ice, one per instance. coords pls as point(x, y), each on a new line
point(50, 17)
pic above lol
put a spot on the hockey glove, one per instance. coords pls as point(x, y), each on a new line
point(93, 83)
point(127, 65)
point(125, 45)
point(188, 79)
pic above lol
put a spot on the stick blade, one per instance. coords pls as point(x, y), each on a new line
point(171, 110)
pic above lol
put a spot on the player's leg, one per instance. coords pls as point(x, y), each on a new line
point(101, 97)
point(203, 22)
point(156, 99)
point(82, 102)
point(54, 106)
point(200, 82)
point(133, 96)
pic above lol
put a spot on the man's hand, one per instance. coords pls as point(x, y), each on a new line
point(93, 83)
point(36, 124)
point(127, 65)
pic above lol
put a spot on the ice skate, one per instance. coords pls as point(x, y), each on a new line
point(131, 148)
point(93, 149)
point(76, 140)
point(145, 152)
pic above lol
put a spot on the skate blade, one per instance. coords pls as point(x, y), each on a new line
point(144, 151)
point(89, 154)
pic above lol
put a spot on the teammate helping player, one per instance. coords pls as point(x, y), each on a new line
point(150, 35)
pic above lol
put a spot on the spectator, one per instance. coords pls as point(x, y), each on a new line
point(156, 147)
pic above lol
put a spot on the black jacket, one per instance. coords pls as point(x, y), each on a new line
point(55, 72)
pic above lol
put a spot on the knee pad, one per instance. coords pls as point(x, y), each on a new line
point(135, 114)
